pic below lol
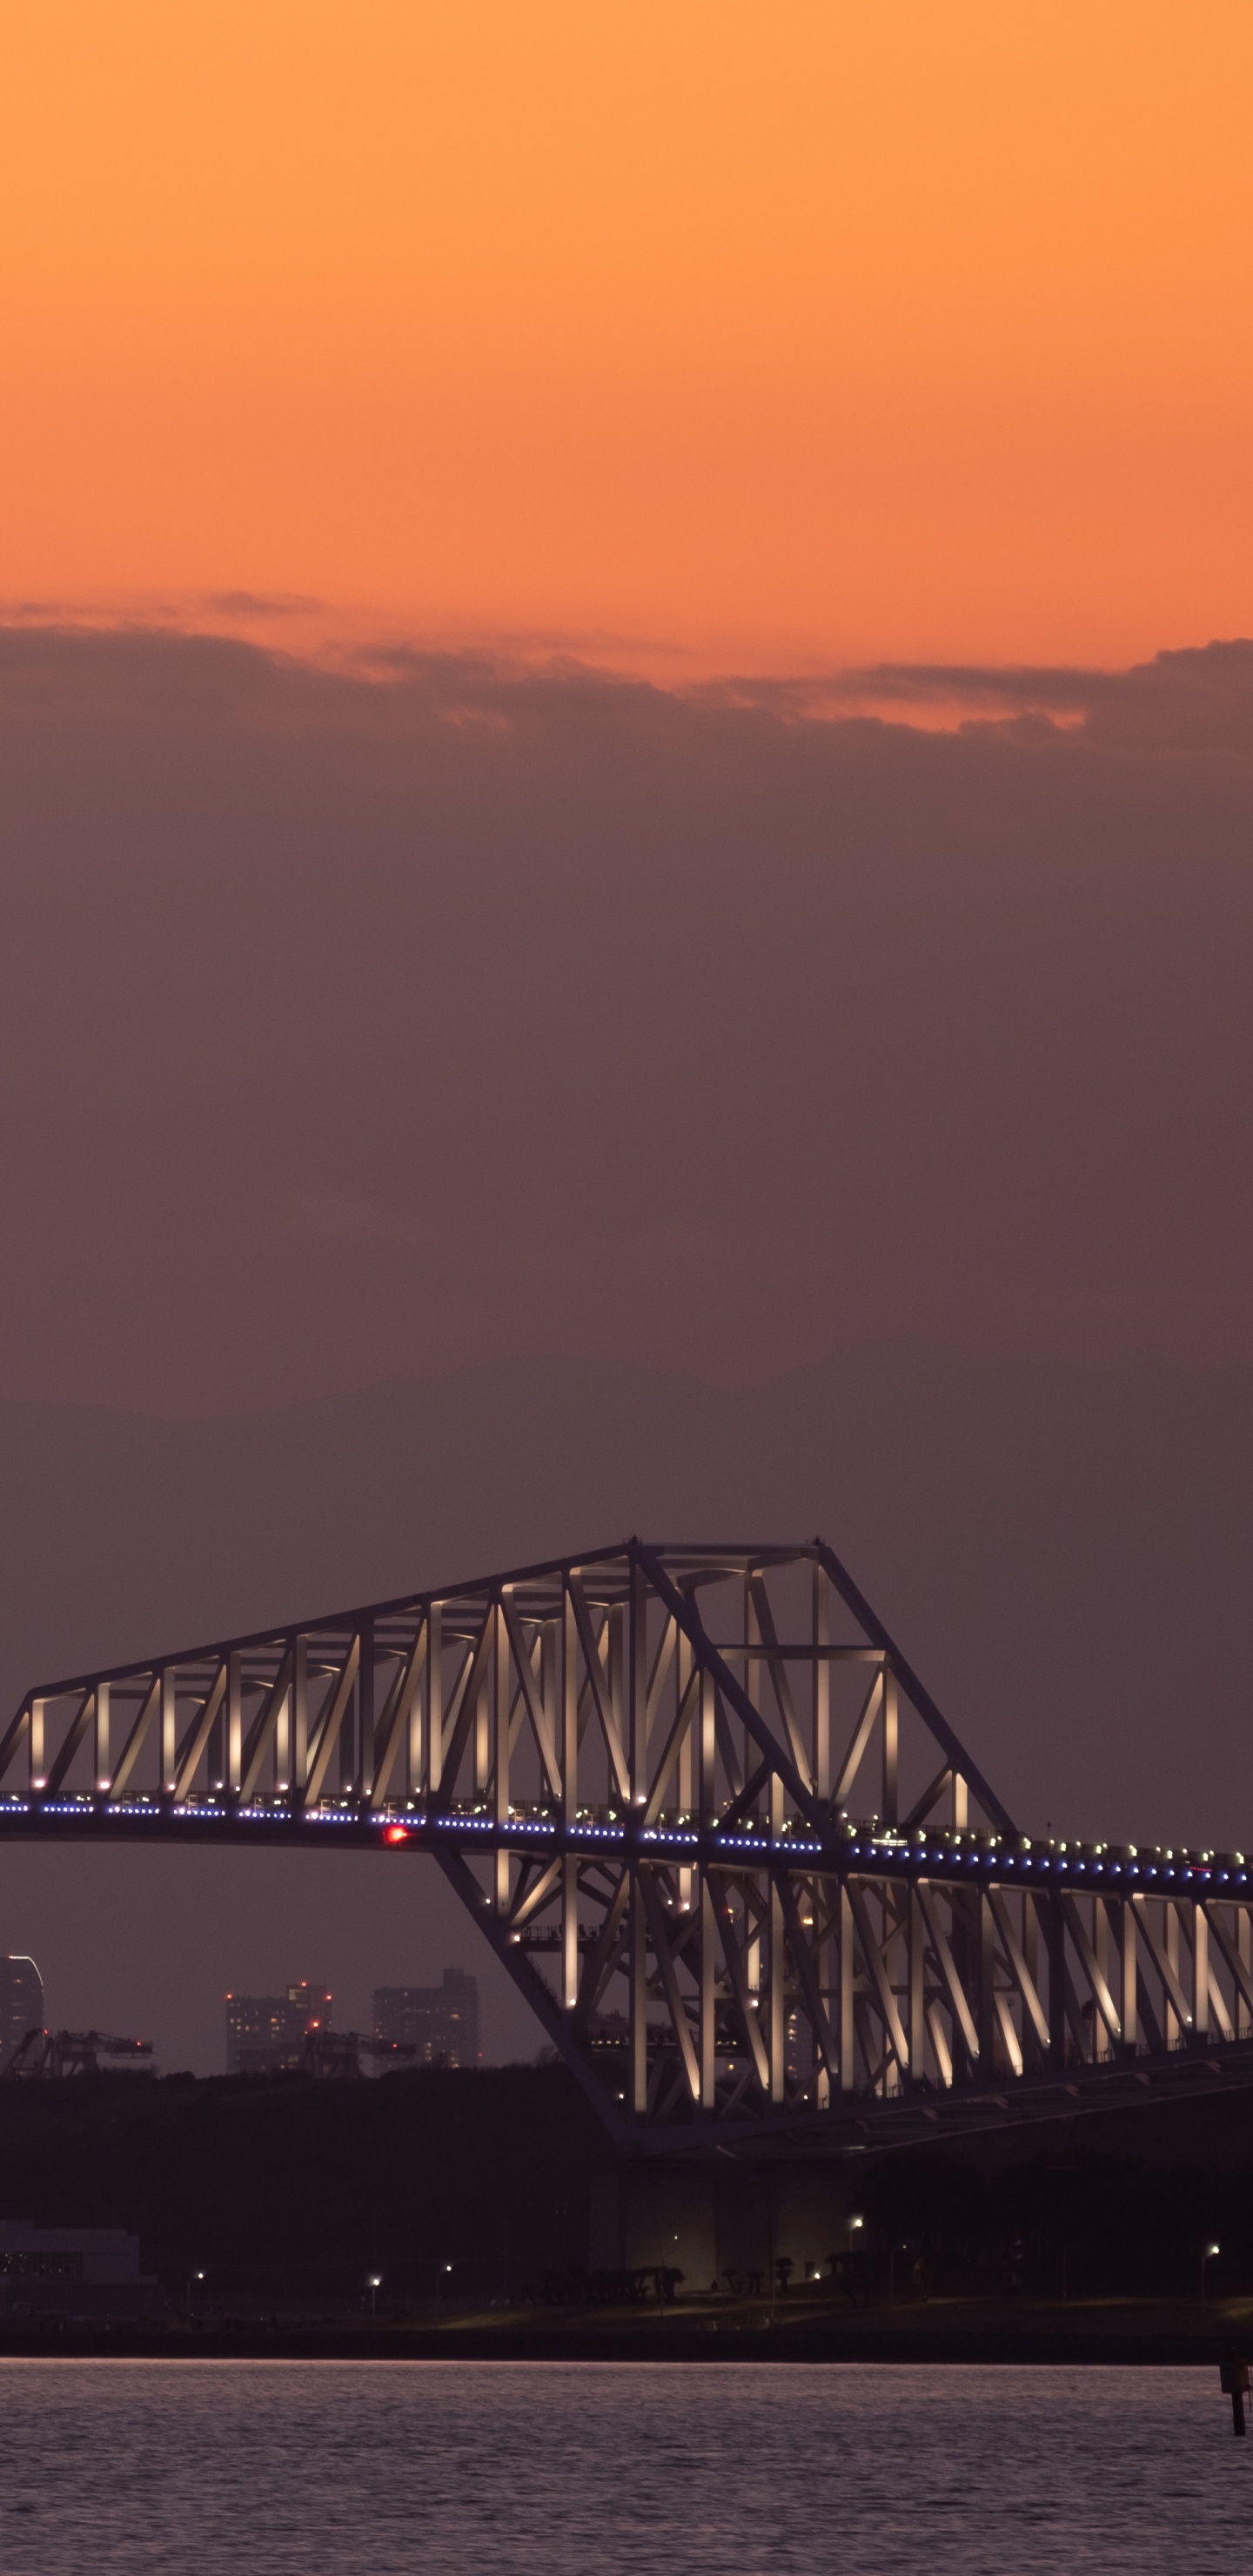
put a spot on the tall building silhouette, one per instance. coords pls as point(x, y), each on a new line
point(265, 2033)
point(440, 2022)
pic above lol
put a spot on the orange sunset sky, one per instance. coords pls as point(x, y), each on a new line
point(724, 332)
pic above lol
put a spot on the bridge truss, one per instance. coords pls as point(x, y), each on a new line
point(709, 1819)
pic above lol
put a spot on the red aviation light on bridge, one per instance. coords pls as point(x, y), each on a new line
point(396, 1834)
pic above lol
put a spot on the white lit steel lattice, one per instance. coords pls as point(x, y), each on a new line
point(709, 1819)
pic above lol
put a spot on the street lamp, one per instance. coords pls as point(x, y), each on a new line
point(374, 2285)
point(192, 2276)
point(1207, 2256)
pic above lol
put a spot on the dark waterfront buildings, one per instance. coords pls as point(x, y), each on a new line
point(441, 2023)
point(21, 2003)
point(80, 2272)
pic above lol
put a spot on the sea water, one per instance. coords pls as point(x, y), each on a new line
point(587, 2469)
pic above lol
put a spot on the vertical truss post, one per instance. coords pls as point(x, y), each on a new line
point(637, 1682)
point(348, 1732)
point(683, 1782)
point(916, 2015)
point(283, 1736)
point(707, 1782)
point(777, 1995)
point(500, 1756)
point(826, 2058)
point(683, 1765)
point(1244, 1952)
point(433, 1695)
point(366, 1692)
point(570, 1795)
point(847, 1995)
point(569, 1686)
point(961, 1804)
point(1171, 1945)
point(618, 1679)
point(1129, 1997)
point(169, 1727)
point(637, 2081)
point(570, 1931)
point(822, 1682)
point(707, 2028)
point(234, 1722)
point(299, 1715)
point(823, 1951)
point(482, 1732)
point(1200, 1971)
point(217, 1743)
point(415, 1729)
point(891, 1745)
point(1102, 1946)
point(35, 1745)
point(100, 1747)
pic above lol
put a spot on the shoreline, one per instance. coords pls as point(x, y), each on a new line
point(1095, 2333)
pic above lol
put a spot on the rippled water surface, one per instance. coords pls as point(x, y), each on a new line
point(249, 2467)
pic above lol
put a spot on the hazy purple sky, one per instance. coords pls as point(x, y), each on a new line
point(450, 1113)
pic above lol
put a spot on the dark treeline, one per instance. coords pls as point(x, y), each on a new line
point(294, 2191)
point(1078, 2223)
point(476, 2187)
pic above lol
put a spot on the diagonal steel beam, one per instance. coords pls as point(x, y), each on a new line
point(802, 1961)
point(75, 1735)
point(1166, 1971)
point(858, 1741)
point(780, 1683)
point(541, 1722)
point(931, 1715)
point(531, 1985)
point(664, 1956)
point(394, 1722)
point(599, 1686)
point(263, 1728)
point(948, 1970)
point(873, 1956)
point(1101, 1995)
point(688, 1620)
point(134, 1744)
point(1018, 1968)
point(332, 1720)
point(195, 1742)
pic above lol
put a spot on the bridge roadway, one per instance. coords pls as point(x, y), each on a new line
point(640, 1770)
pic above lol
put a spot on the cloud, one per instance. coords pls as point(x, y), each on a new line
point(442, 1006)
point(255, 603)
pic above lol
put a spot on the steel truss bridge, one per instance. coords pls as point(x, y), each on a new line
point(712, 1823)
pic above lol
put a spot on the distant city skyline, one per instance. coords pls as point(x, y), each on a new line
point(425, 2025)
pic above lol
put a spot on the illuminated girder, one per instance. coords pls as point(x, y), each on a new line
point(708, 1817)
